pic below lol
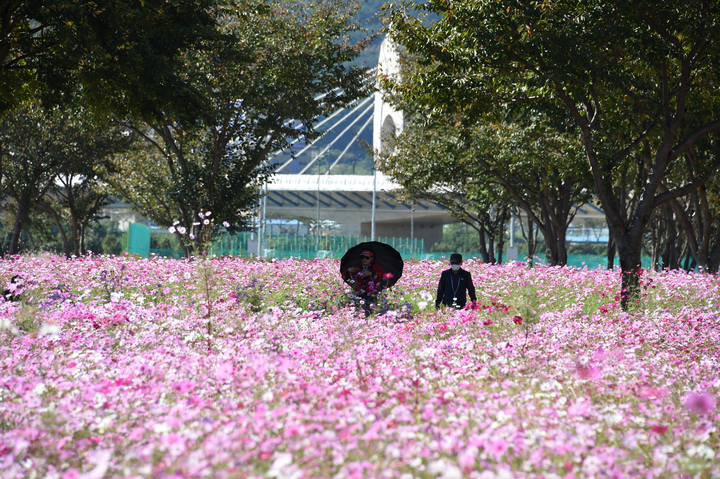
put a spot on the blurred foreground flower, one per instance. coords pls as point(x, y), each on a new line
point(587, 372)
point(699, 403)
point(224, 372)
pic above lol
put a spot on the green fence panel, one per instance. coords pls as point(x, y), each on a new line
point(298, 246)
point(306, 247)
point(139, 239)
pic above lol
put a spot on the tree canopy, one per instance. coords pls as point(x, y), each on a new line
point(639, 78)
point(122, 55)
point(277, 67)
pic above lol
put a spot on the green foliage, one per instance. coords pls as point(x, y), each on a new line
point(457, 237)
point(121, 56)
point(251, 294)
point(638, 78)
point(272, 62)
point(49, 162)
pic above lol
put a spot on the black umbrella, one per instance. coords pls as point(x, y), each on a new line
point(386, 257)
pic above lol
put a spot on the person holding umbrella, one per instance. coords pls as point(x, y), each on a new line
point(367, 278)
point(453, 284)
point(369, 268)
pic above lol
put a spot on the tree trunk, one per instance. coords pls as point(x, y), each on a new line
point(656, 232)
point(714, 262)
point(23, 210)
point(630, 266)
point(483, 246)
point(532, 244)
point(75, 233)
point(491, 252)
point(610, 252)
point(670, 237)
point(501, 245)
point(83, 229)
point(61, 230)
point(561, 245)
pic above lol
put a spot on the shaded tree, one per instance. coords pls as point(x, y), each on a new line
point(630, 73)
point(123, 54)
point(280, 67)
point(48, 160)
point(531, 165)
point(432, 163)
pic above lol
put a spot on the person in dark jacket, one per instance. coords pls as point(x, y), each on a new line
point(453, 284)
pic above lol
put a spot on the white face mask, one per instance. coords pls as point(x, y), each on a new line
point(455, 267)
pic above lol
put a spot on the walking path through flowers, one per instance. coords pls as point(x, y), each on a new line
point(122, 367)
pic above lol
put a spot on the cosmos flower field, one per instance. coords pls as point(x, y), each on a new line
point(231, 368)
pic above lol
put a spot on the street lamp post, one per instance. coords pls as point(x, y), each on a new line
point(372, 226)
point(317, 206)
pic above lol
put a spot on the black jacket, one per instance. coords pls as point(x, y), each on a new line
point(454, 286)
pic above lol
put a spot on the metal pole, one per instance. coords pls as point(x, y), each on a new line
point(412, 221)
point(512, 230)
point(264, 222)
point(255, 218)
point(372, 229)
point(317, 205)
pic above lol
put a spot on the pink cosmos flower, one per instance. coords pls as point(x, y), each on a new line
point(699, 403)
point(466, 458)
point(647, 392)
point(587, 372)
point(498, 448)
point(183, 386)
point(517, 320)
point(101, 458)
point(224, 372)
point(71, 473)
